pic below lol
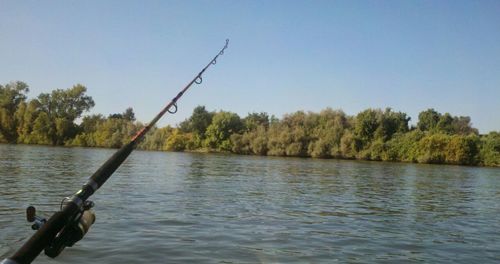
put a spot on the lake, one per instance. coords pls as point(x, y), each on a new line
point(163, 207)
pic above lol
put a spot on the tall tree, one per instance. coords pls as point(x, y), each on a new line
point(445, 124)
point(198, 122)
point(254, 120)
point(391, 122)
point(463, 125)
point(366, 124)
point(428, 119)
point(26, 116)
point(69, 103)
point(11, 97)
point(490, 149)
point(129, 114)
point(63, 107)
point(223, 125)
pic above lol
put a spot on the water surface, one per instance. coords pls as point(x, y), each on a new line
point(206, 208)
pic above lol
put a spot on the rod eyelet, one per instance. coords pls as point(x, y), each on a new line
point(174, 111)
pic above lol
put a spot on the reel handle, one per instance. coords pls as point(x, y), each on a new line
point(32, 217)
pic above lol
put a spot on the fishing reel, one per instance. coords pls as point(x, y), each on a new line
point(72, 232)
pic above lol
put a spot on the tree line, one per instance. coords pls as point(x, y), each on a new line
point(373, 134)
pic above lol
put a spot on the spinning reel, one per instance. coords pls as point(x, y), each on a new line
point(72, 232)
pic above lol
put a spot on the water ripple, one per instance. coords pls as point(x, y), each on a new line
point(197, 208)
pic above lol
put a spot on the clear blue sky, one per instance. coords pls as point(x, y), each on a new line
point(284, 56)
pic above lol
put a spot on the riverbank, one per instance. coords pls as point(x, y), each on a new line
point(215, 151)
point(372, 134)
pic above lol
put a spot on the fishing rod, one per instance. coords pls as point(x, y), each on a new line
point(67, 226)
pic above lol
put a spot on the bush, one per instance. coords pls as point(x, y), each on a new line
point(377, 150)
point(348, 146)
point(176, 141)
point(403, 147)
point(463, 150)
point(490, 149)
point(432, 148)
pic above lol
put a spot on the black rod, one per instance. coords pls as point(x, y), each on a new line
point(46, 234)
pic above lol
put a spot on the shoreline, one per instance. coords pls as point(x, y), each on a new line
point(213, 151)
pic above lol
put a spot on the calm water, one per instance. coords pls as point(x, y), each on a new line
point(197, 208)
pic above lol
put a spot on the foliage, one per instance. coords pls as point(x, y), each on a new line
point(372, 134)
point(156, 138)
point(366, 124)
point(108, 133)
point(432, 121)
point(223, 125)
point(251, 142)
point(254, 120)
point(490, 149)
point(432, 148)
point(428, 119)
point(327, 134)
point(177, 141)
point(128, 115)
point(12, 95)
point(463, 150)
point(50, 119)
point(198, 122)
point(404, 146)
point(349, 145)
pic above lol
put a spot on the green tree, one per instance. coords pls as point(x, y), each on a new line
point(86, 131)
point(377, 150)
point(254, 120)
point(12, 95)
point(404, 146)
point(366, 124)
point(391, 123)
point(177, 141)
point(327, 133)
point(463, 150)
point(238, 145)
point(128, 115)
point(156, 138)
point(26, 116)
point(69, 103)
point(259, 140)
point(428, 119)
point(372, 134)
point(251, 142)
point(292, 135)
point(278, 139)
point(462, 125)
point(445, 124)
point(223, 125)
point(432, 121)
point(21, 123)
point(63, 107)
point(114, 133)
point(432, 148)
point(349, 145)
point(198, 122)
point(490, 149)
point(90, 123)
point(42, 128)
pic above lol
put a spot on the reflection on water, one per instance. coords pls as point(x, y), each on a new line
point(184, 208)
